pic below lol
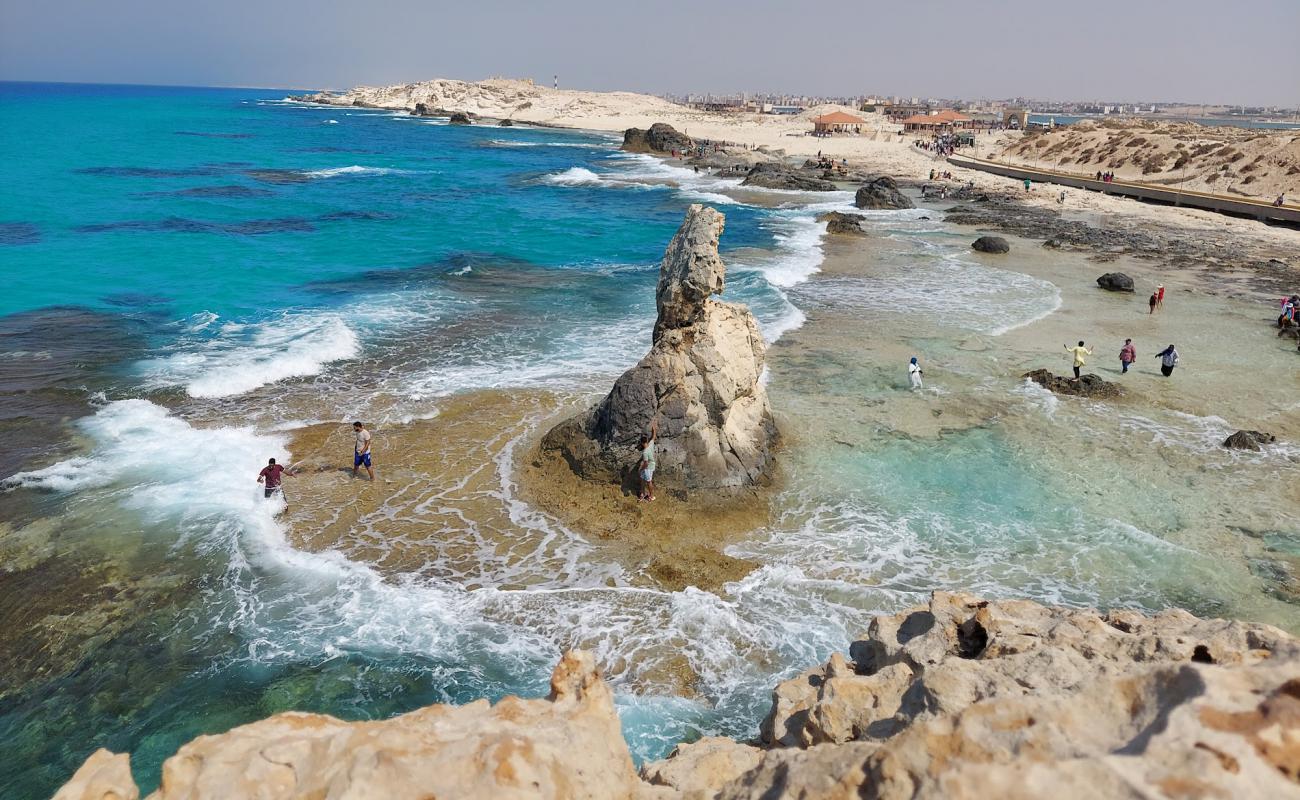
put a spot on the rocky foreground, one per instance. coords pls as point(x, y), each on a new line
point(963, 698)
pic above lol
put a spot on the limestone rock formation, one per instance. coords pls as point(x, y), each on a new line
point(991, 244)
point(506, 123)
point(1088, 384)
point(778, 175)
point(1115, 282)
point(459, 118)
point(881, 192)
point(566, 746)
point(699, 382)
point(658, 138)
point(841, 223)
point(961, 698)
point(1248, 440)
point(104, 776)
point(967, 698)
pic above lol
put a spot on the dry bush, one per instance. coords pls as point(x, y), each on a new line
point(1182, 161)
point(1212, 177)
point(1137, 142)
point(1154, 163)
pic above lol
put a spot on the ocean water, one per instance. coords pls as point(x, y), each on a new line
point(196, 274)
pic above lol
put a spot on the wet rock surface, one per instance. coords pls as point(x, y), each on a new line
point(777, 175)
point(1087, 385)
point(1248, 440)
point(838, 222)
point(991, 244)
point(1115, 282)
point(881, 192)
point(658, 138)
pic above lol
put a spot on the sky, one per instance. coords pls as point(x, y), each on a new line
point(1243, 52)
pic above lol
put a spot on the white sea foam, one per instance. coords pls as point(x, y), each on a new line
point(354, 170)
point(577, 176)
point(243, 357)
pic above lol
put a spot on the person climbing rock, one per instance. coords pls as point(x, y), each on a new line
point(646, 467)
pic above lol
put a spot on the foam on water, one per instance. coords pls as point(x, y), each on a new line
point(354, 170)
point(243, 357)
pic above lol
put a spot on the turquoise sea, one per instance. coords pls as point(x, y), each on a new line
point(195, 274)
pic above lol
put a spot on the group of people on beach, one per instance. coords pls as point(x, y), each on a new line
point(272, 475)
point(1127, 357)
point(1105, 177)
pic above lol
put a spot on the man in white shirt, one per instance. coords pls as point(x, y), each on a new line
point(361, 453)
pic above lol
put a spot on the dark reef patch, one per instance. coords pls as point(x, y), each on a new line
point(207, 135)
point(19, 233)
point(231, 191)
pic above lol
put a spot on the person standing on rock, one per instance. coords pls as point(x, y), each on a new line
point(270, 478)
point(646, 467)
point(1168, 360)
point(361, 452)
point(1079, 352)
point(1127, 355)
point(914, 373)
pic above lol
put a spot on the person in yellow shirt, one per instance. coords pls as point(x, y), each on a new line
point(1079, 352)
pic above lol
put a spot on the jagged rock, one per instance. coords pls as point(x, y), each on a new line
point(1014, 699)
point(991, 244)
point(839, 222)
point(506, 123)
point(698, 769)
point(962, 698)
point(424, 110)
point(700, 382)
point(458, 118)
point(104, 776)
point(1115, 282)
point(1052, 244)
point(1088, 384)
point(778, 175)
point(1248, 440)
point(881, 192)
point(567, 745)
point(658, 138)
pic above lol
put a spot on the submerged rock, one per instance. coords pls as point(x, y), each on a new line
point(1248, 440)
point(1115, 282)
point(1088, 384)
point(881, 192)
point(777, 175)
point(699, 382)
point(658, 138)
point(991, 244)
point(839, 222)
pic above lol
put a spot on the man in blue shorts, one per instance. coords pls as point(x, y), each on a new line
point(361, 453)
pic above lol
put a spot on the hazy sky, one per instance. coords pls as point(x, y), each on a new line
point(1244, 51)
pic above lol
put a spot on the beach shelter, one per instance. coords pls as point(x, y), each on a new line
point(837, 122)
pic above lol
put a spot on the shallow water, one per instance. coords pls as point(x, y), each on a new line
point(241, 267)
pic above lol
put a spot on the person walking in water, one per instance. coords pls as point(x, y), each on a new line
point(914, 373)
point(1127, 355)
point(646, 467)
point(1079, 352)
point(1028, 185)
point(1168, 360)
point(1160, 297)
point(361, 452)
point(270, 477)
point(1151, 304)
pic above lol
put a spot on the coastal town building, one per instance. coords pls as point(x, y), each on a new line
point(838, 122)
point(935, 122)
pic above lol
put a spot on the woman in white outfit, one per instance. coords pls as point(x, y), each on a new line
point(914, 373)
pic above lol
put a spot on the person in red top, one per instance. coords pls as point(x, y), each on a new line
point(270, 476)
point(1160, 296)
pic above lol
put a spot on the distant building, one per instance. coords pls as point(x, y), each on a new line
point(786, 110)
point(838, 122)
point(945, 120)
point(1016, 118)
